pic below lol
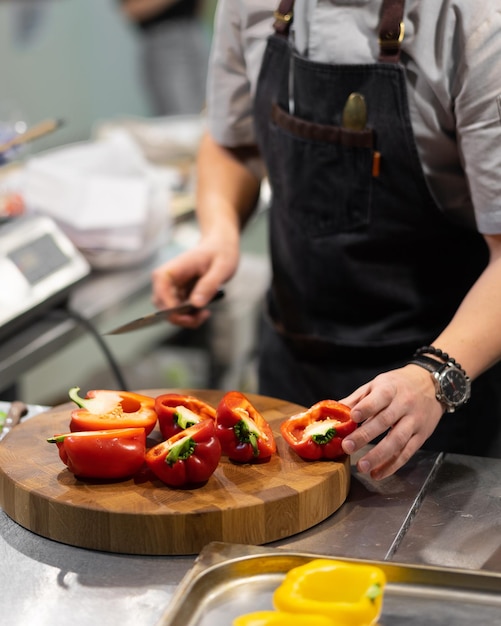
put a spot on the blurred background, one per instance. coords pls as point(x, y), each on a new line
point(114, 73)
point(79, 60)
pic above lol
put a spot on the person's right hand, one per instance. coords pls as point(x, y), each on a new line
point(227, 193)
point(195, 275)
point(401, 403)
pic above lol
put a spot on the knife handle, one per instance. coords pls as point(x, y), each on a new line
point(217, 296)
point(187, 307)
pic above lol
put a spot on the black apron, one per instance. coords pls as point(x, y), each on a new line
point(361, 253)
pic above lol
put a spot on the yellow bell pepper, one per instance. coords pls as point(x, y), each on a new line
point(279, 618)
point(350, 594)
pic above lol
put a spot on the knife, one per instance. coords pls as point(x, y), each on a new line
point(161, 316)
point(16, 411)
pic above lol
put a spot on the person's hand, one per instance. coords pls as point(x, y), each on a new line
point(400, 401)
point(194, 275)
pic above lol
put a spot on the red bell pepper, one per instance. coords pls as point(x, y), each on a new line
point(172, 421)
point(244, 434)
point(105, 454)
point(318, 432)
point(190, 457)
point(104, 409)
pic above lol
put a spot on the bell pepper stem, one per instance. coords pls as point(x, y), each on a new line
point(247, 434)
point(324, 438)
point(73, 394)
point(374, 592)
point(56, 439)
point(185, 418)
point(181, 450)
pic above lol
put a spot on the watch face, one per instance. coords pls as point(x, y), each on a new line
point(455, 386)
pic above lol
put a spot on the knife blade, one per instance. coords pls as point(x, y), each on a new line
point(161, 316)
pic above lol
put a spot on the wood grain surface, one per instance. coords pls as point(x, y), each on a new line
point(246, 504)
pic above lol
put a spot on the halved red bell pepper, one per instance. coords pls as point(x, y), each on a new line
point(105, 454)
point(103, 409)
point(318, 432)
point(244, 434)
point(190, 457)
point(171, 422)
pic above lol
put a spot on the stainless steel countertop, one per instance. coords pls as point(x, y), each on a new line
point(439, 509)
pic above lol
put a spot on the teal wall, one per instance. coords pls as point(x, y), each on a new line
point(70, 59)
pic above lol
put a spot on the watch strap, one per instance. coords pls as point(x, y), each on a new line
point(432, 365)
point(440, 354)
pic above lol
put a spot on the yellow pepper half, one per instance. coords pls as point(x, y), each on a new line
point(279, 618)
point(350, 594)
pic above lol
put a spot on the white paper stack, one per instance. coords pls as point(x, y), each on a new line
point(111, 202)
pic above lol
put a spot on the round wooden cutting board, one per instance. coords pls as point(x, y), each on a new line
point(246, 504)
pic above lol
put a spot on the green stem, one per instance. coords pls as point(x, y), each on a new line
point(181, 450)
point(73, 394)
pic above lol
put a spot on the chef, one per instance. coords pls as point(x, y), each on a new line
point(378, 124)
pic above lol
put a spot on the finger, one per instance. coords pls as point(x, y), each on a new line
point(166, 292)
point(372, 399)
point(399, 459)
point(173, 282)
point(355, 397)
point(193, 320)
point(208, 284)
point(204, 291)
point(395, 445)
point(383, 418)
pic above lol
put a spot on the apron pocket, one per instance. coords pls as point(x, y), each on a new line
point(321, 175)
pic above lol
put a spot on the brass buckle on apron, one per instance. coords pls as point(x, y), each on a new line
point(283, 17)
point(393, 39)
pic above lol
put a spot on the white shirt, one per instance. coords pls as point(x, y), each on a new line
point(452, 57)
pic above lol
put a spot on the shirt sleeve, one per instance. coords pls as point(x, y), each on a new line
point(477, 104)
point(238, 44)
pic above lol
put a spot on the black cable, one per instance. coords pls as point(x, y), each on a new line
point(115, 368)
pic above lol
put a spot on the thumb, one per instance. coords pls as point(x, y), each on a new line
point(204, 291)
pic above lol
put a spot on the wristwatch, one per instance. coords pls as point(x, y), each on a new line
point(452, 385)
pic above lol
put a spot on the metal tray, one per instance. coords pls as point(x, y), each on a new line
point(228, 580)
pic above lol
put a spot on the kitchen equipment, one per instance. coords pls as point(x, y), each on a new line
point(38, 267)
point(161, 316)
point(230, 580)
point(34, 132)
point(16, 411)
point(253, 504)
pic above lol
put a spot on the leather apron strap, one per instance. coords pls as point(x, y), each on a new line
point(283, 17)
point(391, 28)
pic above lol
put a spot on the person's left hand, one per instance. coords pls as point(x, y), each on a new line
point(400, 401)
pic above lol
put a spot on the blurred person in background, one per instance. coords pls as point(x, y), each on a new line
point(174, 53)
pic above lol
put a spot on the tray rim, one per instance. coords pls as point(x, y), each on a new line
point(217, 555)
